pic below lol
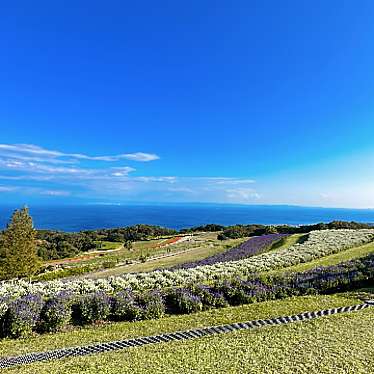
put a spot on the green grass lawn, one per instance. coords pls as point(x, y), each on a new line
point(334, 259)
point(124, 330)
point(109, 245)
point(335, 344)
point(287, 241)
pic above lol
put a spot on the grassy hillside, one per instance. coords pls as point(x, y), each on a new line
point(288, 241)
point(335, 344)
point(318, 346)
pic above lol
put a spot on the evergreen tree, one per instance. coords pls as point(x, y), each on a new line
point(18, 247)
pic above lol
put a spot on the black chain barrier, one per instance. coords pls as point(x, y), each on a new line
point(57, 354)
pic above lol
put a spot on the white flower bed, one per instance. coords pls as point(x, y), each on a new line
point(319, 244)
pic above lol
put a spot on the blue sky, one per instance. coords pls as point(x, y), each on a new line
point(255, 102)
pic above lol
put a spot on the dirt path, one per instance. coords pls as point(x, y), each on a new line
point(87, 256)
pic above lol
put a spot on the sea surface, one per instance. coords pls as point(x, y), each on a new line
point(88, 217)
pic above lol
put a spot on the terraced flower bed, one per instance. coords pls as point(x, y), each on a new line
point(251, 247)
point(319, 244)
point(33, 313)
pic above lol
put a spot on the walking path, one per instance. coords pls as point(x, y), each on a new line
point(58, 354)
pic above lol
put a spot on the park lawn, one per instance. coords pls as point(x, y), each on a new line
point(335, 344)
point(124, 330)
point(349, 254)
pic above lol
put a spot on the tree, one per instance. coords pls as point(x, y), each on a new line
point(128, 244)
point(18, 247)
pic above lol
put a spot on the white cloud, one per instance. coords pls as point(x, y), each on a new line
point(139, 156)
point(156, 179)
point(48, 172)
point(7, 188)
point(36, 167)
point(242, 195)
point(122, 171)
point(231, 181)
point(55, 193)
point(20, 150)
point(180, 189)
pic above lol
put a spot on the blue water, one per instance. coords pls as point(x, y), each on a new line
point(86, 217)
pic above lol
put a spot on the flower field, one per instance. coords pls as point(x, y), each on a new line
point(319, 244)
point(251, 247)
point(32, 313)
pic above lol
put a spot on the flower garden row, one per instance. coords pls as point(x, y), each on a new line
point(319, 244)
point(32, 313)
point(247, 249)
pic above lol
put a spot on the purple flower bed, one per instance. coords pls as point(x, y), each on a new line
point(251, 247)
point(30, 314)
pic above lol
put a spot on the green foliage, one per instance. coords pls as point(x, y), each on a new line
point(62, 273)
point(18, 247)
point(143, 257)
point(205, 228)
point(22, 316)
point(53, 245)
point(109, 264)
point(134, 233)
point(183, 301)
point(241, 231)
point(91, 308)
point(153, 305)
point(55, 313)
point(125, 307)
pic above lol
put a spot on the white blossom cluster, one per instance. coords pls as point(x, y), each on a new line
point(319, 244)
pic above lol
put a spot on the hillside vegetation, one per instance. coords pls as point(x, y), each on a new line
point(168, 281)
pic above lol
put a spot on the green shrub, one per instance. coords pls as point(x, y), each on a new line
point(91, 308)
point(55, 313)
point(22, 316)
point(153, 305)
point(125, 308)
point(183, 301)
point(210, 297)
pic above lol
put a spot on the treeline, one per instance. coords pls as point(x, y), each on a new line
point(134, 233)
point(53, 245)
point(204, 228)
point(241, 231)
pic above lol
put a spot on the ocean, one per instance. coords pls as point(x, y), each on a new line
point(89, 217)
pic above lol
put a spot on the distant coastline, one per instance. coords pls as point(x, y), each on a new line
point(177, 216)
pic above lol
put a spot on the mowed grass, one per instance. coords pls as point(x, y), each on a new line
point(287, 241)
point(124, 330)
point(335, 344)
point(104, 245)
point(334, 259)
